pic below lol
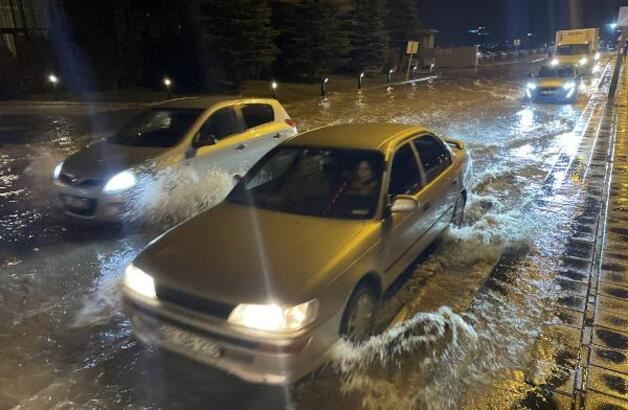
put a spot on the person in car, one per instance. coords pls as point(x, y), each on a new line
point(364, 182)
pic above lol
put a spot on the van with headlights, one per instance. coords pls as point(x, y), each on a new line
point(577, 47)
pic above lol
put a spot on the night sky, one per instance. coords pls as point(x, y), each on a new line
point(509, 19)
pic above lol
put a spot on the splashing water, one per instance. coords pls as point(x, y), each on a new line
point(172, 195)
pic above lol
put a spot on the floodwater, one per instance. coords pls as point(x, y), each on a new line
point(473, 316)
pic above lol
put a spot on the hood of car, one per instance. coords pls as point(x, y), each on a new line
point(237, 254)
point(101, 160)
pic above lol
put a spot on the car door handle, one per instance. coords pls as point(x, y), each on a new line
point(241, 147)
point(426, 206)
point(277, 136)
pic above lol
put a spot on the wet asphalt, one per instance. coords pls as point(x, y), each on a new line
point(484, 293)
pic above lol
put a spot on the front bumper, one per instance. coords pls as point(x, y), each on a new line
point(253, 359)
point(552, 95)
point(89, 203)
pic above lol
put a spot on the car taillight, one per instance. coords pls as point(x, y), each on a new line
point(291, 123)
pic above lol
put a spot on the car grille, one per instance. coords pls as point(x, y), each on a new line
point(69, 180)
point(549, 89)
point(188, 301)
point(89, 209)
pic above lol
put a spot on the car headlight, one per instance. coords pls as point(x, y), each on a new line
point(139, 281)
point(120, 182)
point(569, 85)
point(583, 61)
point(555, 62)
point(531, 86)
point(57, 171)
point(274, 318)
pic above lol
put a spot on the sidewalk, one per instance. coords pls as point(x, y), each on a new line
point(604, 366)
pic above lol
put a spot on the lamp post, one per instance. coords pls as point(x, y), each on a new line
point(389, 76)
point(324, 82)
point(273, 88)
point(168, 85)
point(360, 80)
point(413, 72)
point(54, 81)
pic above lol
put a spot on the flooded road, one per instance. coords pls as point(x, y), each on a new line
point(474, 315)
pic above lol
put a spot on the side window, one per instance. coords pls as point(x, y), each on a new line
point(434, 157)
point(257, 114)
point(221, 124)
point(405, 177)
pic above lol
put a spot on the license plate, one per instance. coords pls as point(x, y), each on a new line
point(76, 202)
point(547, 92)
point(190, 342)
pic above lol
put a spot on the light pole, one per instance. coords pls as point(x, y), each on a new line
point(54, 81)
point(360, 80)
point(324, 82)
point(273, 88)
point(168, 85)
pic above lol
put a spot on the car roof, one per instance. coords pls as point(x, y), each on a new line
point(207, 102)
point(356, 136)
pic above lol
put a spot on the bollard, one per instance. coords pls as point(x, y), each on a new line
point(168, 85)
point(324, 86)
point(360, 80)
point(273, 88)
point(54, 80)
point(413, 72)
point(389, 76)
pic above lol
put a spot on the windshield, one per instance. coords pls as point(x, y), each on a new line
point(547, 72)
point(160, 127)
point(572, 49)
point(319, 182)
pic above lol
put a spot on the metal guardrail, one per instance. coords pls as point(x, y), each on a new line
point(496, 57)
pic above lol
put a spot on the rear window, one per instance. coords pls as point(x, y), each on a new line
point(257, 114)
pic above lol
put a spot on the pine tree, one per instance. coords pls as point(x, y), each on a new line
point(369, 40)
point(313, 42)
point(403, 23)
point(239, 32)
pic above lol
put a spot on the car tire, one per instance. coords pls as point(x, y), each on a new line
point(458, 216)
point(359, 316)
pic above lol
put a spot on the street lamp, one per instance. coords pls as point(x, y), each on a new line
point(168, 85)
point(613, 26)
point(360, 80)
point(324, 82)
point(389, 76)
point(273, 87)
point(54, 81)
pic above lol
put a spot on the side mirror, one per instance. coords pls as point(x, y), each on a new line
point(403, 203)
point(202, 139)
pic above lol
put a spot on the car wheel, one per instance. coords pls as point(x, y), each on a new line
point(359, 317)
point(458, 217)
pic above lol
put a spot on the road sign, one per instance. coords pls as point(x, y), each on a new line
point(622, 21)
point(413, 47)
point(517, 42)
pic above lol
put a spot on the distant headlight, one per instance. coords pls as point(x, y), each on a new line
point(57, 171)
point(275, 318)
point(139, 281)
point(555, 62)
point(570, 85)
point(120, 182)
point(583, 61)
point(597, 56)
point(531, 86)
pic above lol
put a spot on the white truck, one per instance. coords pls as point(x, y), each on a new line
point(577, 47)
